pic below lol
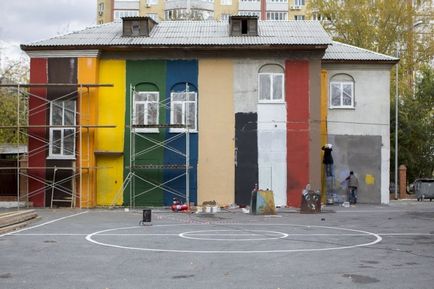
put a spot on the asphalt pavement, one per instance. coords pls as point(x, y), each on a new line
point(363, 246)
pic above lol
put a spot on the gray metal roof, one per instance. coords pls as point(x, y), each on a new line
point(345, 52)
point(193, 33)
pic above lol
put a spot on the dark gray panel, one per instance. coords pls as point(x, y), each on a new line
point(246, 169)
point(361, 154)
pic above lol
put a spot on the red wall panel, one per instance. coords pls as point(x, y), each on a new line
point(37, 136)
point(297, 101)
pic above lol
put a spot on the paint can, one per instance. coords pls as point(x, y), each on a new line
point(147, 216)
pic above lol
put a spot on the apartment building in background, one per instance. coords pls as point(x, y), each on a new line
point(114, 10)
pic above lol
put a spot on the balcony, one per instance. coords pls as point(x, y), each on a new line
point(194, 4)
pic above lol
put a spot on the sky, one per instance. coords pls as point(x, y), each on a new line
point(24, 21)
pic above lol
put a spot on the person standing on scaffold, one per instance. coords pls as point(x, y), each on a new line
point(329, 174)
point(353, 184)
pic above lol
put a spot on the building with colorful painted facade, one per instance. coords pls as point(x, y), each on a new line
point(204, 110)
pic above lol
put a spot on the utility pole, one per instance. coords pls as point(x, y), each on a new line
point(396, 122)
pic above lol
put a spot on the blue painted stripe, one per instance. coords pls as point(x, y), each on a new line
point(180, 72)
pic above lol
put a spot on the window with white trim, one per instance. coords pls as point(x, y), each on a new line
point(225, 2)
point(62, 136)
point(183, 110)
point(118, 14)
point(146, 110)
point(299, 2)
point(271, 87)
point(342, 91)
point(277, 15)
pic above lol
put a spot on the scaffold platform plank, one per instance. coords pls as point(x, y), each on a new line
point(160, 167)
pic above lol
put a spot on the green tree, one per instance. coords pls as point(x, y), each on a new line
point(391, 27)
point(416, 128)
point(15, 72)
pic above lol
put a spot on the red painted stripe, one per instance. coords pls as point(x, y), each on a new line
point(37, 147)
point(297, 101)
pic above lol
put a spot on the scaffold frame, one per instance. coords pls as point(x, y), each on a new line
point(137, 172)
point(81, 137)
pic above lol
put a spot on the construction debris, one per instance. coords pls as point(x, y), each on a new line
point(11, 221)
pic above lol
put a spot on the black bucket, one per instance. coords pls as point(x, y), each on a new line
point(146, 216)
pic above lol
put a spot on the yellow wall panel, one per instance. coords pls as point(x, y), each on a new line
point(216, 170)
point(87, 74)
point(109, 143)
point(324, 108)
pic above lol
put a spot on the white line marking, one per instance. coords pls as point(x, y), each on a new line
point(272, 235)
point(376, 236)
point(50, 234)
point(43, 224)
point(405, 234)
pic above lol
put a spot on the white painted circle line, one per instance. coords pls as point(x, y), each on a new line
point(197, 235)
point(376, 236)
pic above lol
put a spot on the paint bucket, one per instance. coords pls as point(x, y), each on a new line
point(147, 215)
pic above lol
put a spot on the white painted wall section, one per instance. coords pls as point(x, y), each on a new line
point(272, 150)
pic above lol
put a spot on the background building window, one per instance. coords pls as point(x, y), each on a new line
point(299, 17)
point(299, 2)
point(276, 15)
point(146, 110)
point(342, 91)
point(183, 110)
point(118, 14)
point(226, 2)
point(250, 13)
point(62, 138)
point(271, 87)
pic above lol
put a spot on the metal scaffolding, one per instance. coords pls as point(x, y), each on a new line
point(140, 172)
point(80, 168)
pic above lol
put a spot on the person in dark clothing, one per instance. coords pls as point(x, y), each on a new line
point(328, 160)
point(353, 184)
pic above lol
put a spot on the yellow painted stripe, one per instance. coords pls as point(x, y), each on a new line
point(87, 73)
point(324, 108)
point(109, 143)
point(216, 171)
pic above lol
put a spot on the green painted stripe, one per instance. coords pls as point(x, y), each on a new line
point(145, 75)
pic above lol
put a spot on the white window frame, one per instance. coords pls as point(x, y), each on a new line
point(299, 2)
point(118, 14)
point(183, 103)
point(62, 129)
point(271, 75)
point(225, 2)
point(145, 104)
point(341, 98)
point(277, 15)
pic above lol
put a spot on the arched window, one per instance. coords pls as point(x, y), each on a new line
point(183, 107)
point(146, 98)
point(271, 84)
point(341, 91)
